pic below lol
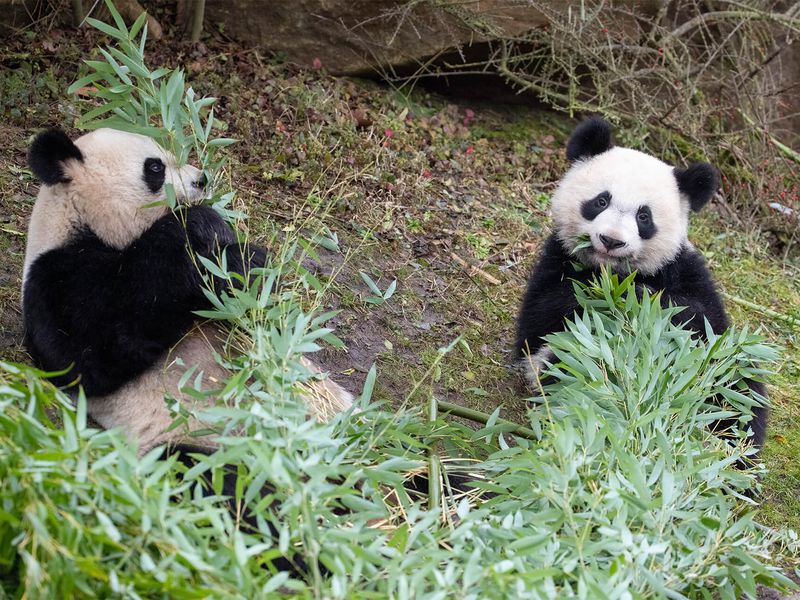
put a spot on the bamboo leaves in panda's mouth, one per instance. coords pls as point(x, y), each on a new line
point(125, 94)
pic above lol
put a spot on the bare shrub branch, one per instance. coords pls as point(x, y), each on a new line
point(696, 79)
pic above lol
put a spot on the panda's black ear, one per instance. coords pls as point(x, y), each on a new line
point(48, 152)
point(699, 182)
point(592, 137)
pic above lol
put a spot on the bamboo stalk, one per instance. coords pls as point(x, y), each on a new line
point(481, 417)
point(762, 309)
point(473, 270)
point(434, 476)
point(77, 12)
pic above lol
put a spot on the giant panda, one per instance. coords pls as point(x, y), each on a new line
point(110, 286)
point(110, 282)
point(634, 209)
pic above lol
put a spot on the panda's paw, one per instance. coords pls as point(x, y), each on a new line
point(207, 230)
point(640, 289)
point(244, 258)
point(532, 365)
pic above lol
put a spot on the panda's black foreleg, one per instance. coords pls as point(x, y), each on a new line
point(210, 236)
point(688, 282)
point(243, 259)
point(757, 425)
point(691, 285)
point(158, 273)
point(549, 300)
point(760, 414)
point(161, 280)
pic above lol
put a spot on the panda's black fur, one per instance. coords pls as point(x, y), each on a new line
point(109, 313)
point(550, 297)
point(48, 153)
point(110, 286)
point(683, 279)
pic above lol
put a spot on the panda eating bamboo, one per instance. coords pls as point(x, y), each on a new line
point(110, 285)
point(634, 211)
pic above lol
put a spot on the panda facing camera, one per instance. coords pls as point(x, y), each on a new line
point(629, 211)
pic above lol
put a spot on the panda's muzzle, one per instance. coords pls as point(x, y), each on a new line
point(201, 182)
point(194, 184)
point(610, 243)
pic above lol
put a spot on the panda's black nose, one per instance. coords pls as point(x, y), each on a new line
point(611, 243)
point(202, 182)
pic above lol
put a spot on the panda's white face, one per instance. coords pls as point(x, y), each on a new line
point(628, 205)
point(107, 181)
point(120, 176)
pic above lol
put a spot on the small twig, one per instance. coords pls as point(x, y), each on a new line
point(762, 309)
point(768, 60)
point(77, 12)
point(722, 202)
point(197, 19)
point(727, 15)
point(473, 270)
point(786, 150)
point(483, 418)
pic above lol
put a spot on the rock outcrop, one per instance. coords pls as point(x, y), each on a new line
point(355, 36)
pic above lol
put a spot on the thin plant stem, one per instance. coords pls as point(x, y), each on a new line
point(434, 475)
point(762, 309)
point(481, 417)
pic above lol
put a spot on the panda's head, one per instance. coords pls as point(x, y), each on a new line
point(630, 207)
point(106, 181)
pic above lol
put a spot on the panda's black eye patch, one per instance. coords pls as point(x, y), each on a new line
point(591, 208)
point(154, 173)
point(644, 220)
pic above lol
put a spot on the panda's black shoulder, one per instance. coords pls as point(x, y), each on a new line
point(554, 260)
point(687, 281)
point(76, 258)
point(687, 273)
point(688, 264)
point(77, 265)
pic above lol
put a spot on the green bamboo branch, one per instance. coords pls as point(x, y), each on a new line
point(483, 418)
point(762, 309)
point(433, 462)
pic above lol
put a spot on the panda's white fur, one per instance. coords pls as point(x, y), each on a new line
point(633, 179)
point(139, 407)
point(531, 366)
point(633, 209)
point(106, 193)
